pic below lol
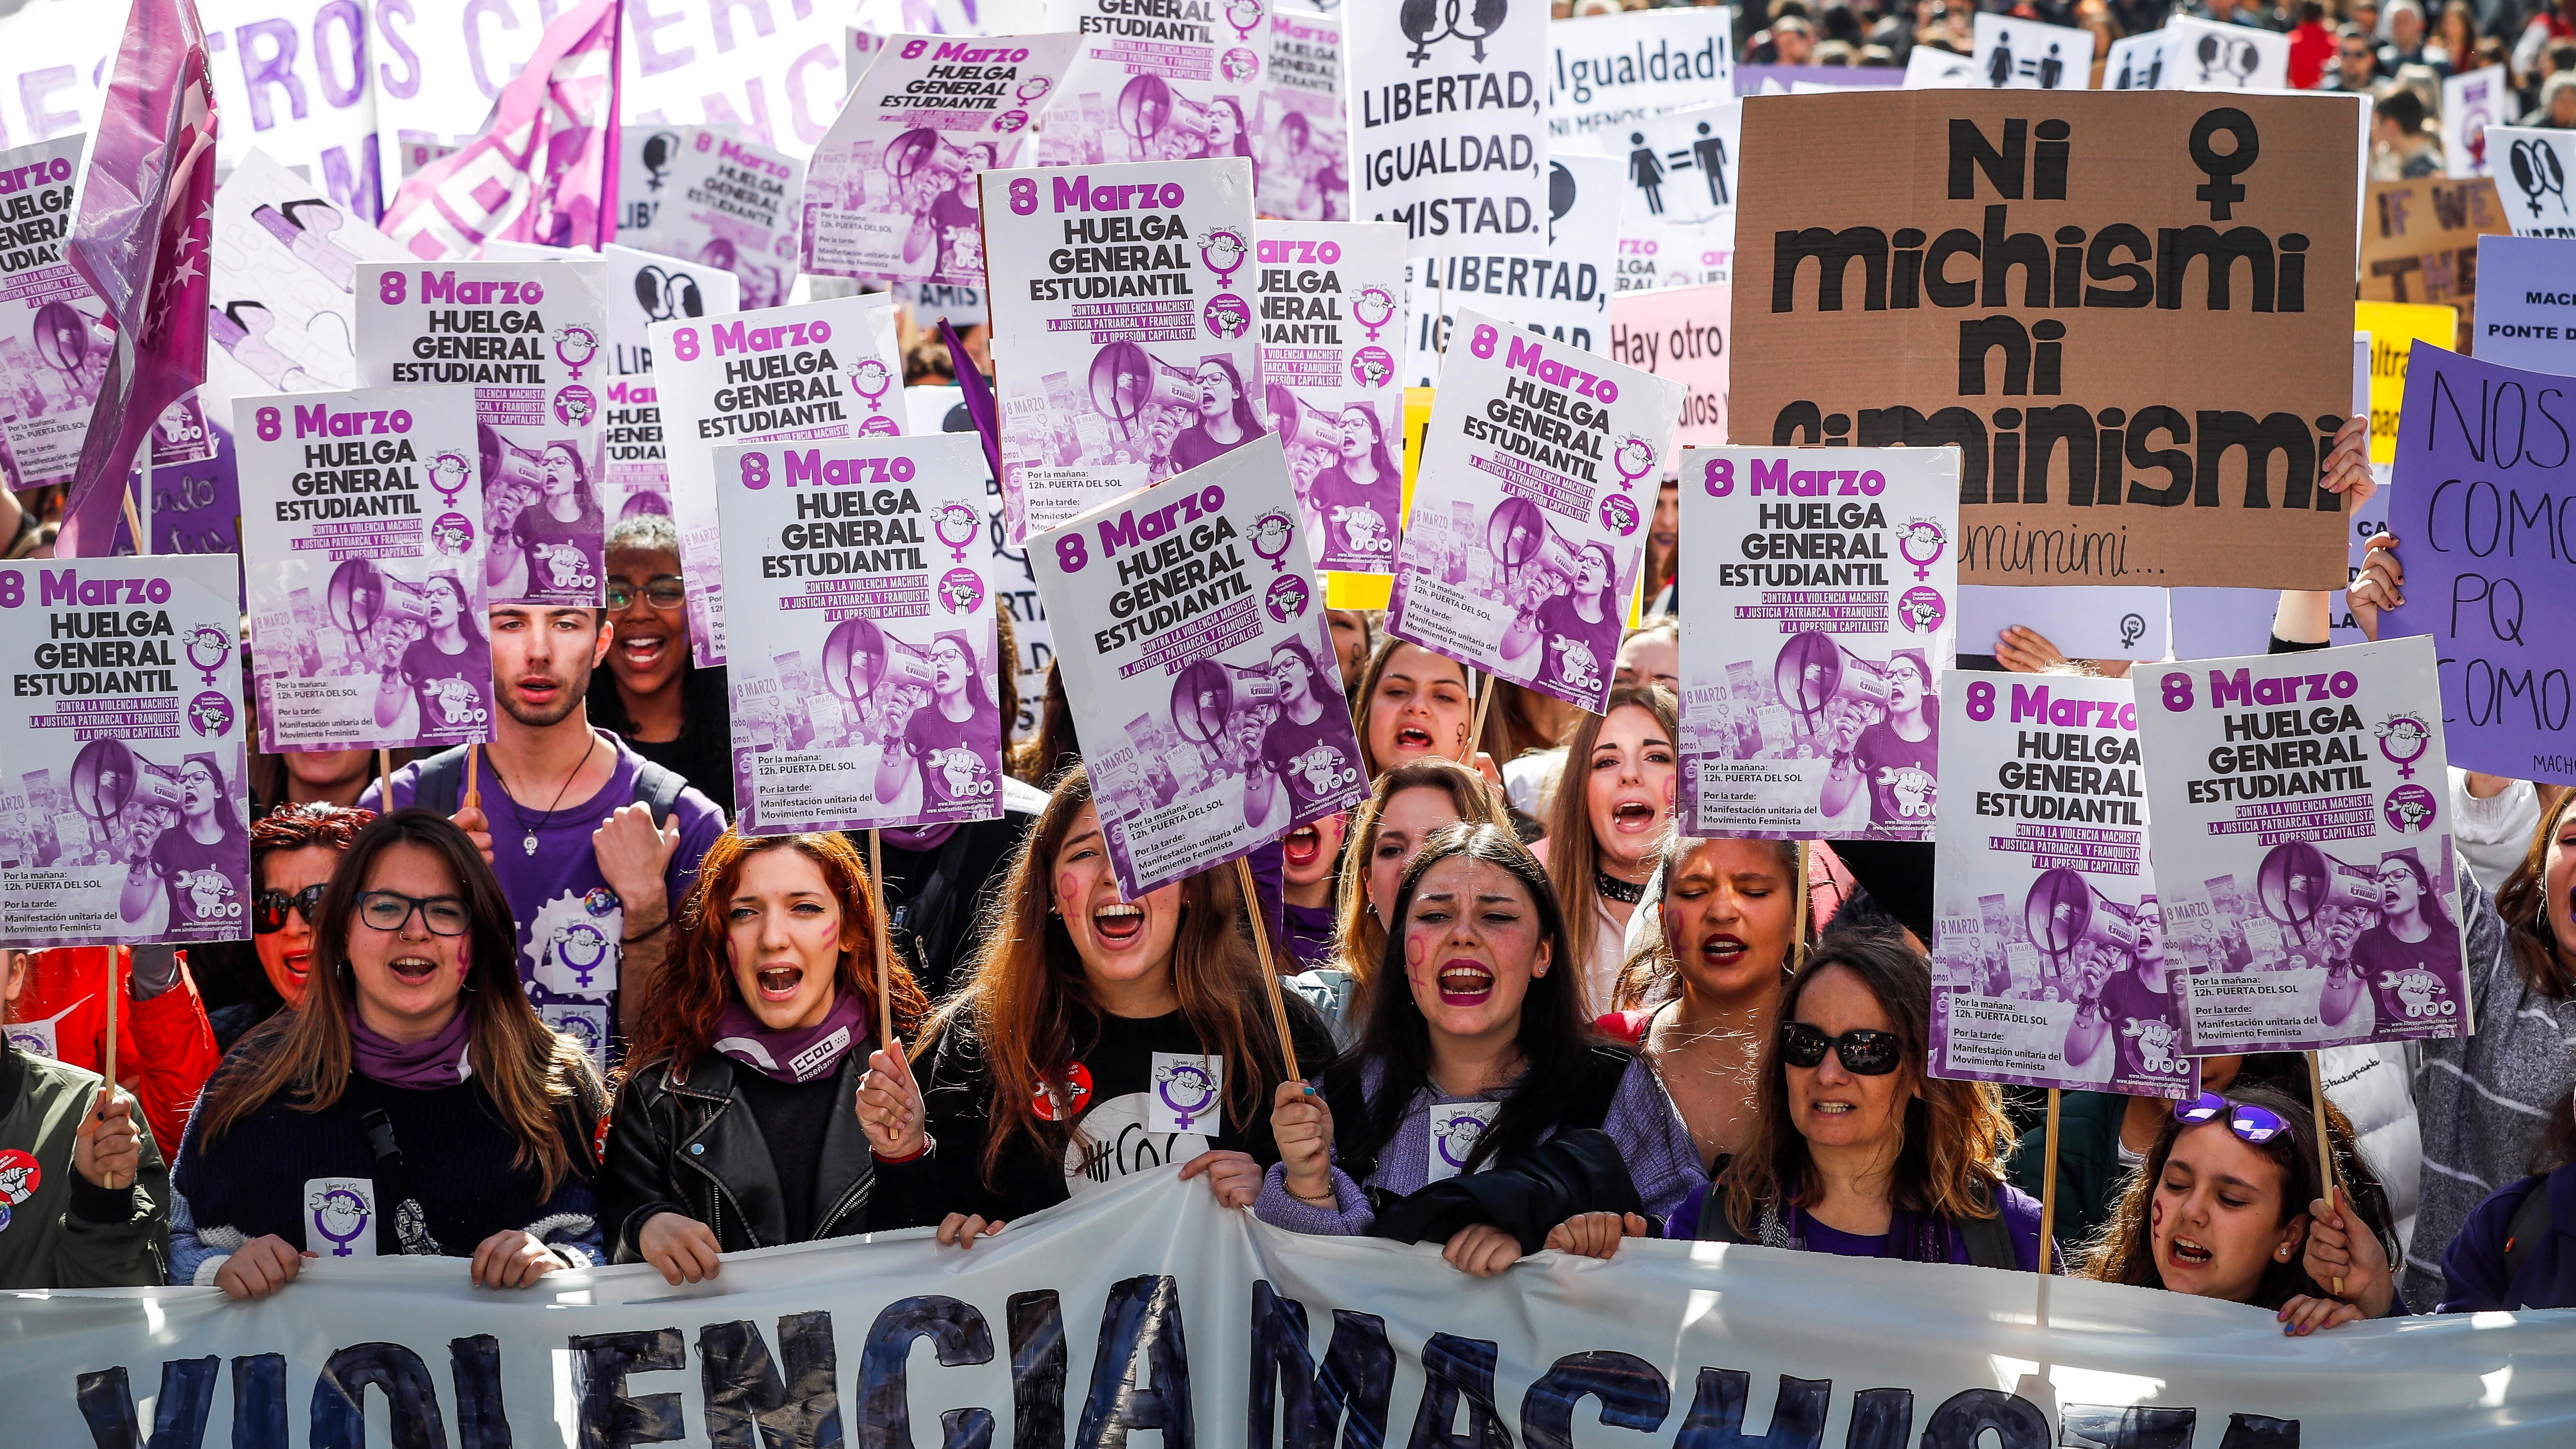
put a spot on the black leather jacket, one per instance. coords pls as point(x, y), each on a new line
point(692, 1148)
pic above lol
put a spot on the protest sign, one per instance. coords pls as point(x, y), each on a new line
point(2535, 163)
point(893, 186)
point(1681, 166)
point(1928, 67)
point(2471, 102)
point(2137, 62)
point(1448, 127)
point(1155, 82)
point(2526, 305)
point(2084, 623)
point(2049, 940)
point(54, 339)
point(932, 303)
point(1527, 530)
point(1784, 80)
point(1330, 296)
point(1123, 346)
point(1563, 296)
point(644, 288)
point(193, 501)
point(284, 284)
point(717, 201)
point(1304, 164)
point(1006, 565)
point(2103, 442)
point(2015, 54)
point(868, 701)
point(1680, 334)
point(1608, 72)
point(1808, 704)
point(2215, 623)
point(365, 510)
point(1653, 256)
point(2301, 806)
point(827, 369)
point(2483, 479)
point(1191, 640)
point(126, 739)
point(2395, 328)
point(2207, 55)
point(2419, 241)
point(527, 336)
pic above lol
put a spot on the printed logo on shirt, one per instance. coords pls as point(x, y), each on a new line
point(963, 771)
point(2156, 1039)
point(1456, 1128)
point(1364, 530)
point(20, 1176)
point(208, 895)
point(1577, 665)
point(572, 944)
point(2420, 994)
point(342, 1214)
point(1321, 771)
point(1914, 789)
point(1117, 1139)
point(459, 702)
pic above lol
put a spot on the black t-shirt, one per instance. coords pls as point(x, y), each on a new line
point(792, 1118)
point(703, 754)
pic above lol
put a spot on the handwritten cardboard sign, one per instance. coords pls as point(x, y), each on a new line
point(2419, 241)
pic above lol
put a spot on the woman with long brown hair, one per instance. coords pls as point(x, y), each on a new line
point(1613, 807)
point(417, 1073)
point(1099, 1036)
point(744, 1120)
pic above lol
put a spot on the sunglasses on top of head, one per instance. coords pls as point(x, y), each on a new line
point(2255, 1126)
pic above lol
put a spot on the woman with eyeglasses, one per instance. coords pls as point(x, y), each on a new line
point(414, 1104)
point(653, 695)
point(1855, 1149)
point(2229, 1205)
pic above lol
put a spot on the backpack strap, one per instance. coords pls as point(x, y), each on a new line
point(437, 783)
point(2532, 1222)
point(658, 789)
point(1989, 1239)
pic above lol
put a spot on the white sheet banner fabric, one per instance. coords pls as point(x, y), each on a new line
point(1147, 1307)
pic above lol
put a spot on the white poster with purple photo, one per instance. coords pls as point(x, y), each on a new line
point(1305, 155)
point(1448, 123)
point(1538, 471)
point(1190, 636)
point(1158, 82)
point(2049, 956)
point(645, 288)
point(1331, 303)
point(1810, 705)
point(858, 566)
point(365, 511)
point(54, 337)
point(715, 200)
point(829, 369)
point(125, 739)
point(529, 338)
point(1123, 344)
point(893, 187)
point(2302, 810)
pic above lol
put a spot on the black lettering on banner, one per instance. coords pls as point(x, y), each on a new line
point(1966, 1417)
point(1455, 1368)
point(1357, 1378)
point(1632, 1392)
point(475, 1365)
point(2129, 1426)
point(1716, 1419)
point(1140, 1330)
point(411, 1399)
point(957, 1337)
point(106, 1400)
point(259, 1403)
point(610, 1418)
point(1037, 1370)
point(749, 1406)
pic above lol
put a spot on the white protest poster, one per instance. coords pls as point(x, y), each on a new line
point(645, 288)
point(54, 337)
point(1607, 72)
point(2471, 102)
point(2526, 305)
point(1448, 123)
point(2084, 621)
point(528, 337)
point(1006, 565)
point(1191, 640)
point(1654, 256)
point(857, 565)
point(1528, 525)
point(2302, 803)
point(1331, 301)
point(125, 736)
point(1156, 82)
point(1809, 676)
point(365, 512)
point(2531, 166)
point(1681, 165)
point(1123, 344)
point(893, 187)
point(2203, 55)
point(2216, 623)
point(1680, 333)
point(2135, 63)
point(284, 285)
point(2050, 962)
point(1928, 67)
point(1563, 296)
point(1304, 161)
point(829, 369)
point(718, 201)
point(932, 303)
point(2013, 54)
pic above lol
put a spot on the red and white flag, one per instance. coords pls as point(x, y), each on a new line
point(544, 169)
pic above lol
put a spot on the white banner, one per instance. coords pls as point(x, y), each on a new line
point(2021, 55)
point(645, 288)
point(1448, 123)
point(688, 192)
point(2530, 166)
point(1146, 1307)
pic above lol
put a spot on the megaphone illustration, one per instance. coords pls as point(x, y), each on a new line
point(859, 659)
point(1814, 670)
point(106, 776)
point(2298, 884)
point(1149, 110)
point(505, 463)
point(1206, 694)
point(2063, 911)
point(1126, 380)
point(1299, 423)
point(362, 593)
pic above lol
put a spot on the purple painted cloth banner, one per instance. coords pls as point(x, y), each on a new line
point(2485, 512)
point(545, 168)
point(143, 244)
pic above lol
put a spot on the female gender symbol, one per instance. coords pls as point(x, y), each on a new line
point(575, 346)
point(1458, 1142)
point(1924, 534)
point(2402, 731)
point(957, 526)
point(1188, 1088)
point(1634, 458)
point(209, 647)
point(1224, 250)
point(593, 950)
point(1373, 299)
point(1272, 532)
point(338, 1208)
point(870, 379)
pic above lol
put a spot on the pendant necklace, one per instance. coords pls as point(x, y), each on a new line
point(547, 821)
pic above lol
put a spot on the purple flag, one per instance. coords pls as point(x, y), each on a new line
point(142, 245)
point(544, 170)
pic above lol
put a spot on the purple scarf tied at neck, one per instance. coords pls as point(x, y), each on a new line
point(789, 1054)
point(422, 1066)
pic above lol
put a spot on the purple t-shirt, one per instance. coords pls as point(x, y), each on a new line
point(2415, 986)
point(1311, 758)
point(1359, 520)
point(1579, 653)
point(453, 689)
point(959, 775)
point(2144, 1029)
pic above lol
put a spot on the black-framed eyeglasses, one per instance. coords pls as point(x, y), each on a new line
point(662, 591)
point(2254, 1126)
point(1864, 1052)
point(391, 911)
point(269, 908)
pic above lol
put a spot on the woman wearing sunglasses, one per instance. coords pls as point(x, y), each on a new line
point(2229, 1205)
point(652, 694)
point(1854, 1150)
point(293, 852)
point(414, 1103)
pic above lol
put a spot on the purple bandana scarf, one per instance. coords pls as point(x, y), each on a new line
point(425, 1066)
point(791, 1054)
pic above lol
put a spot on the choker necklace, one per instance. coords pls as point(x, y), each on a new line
point(548, 819)
point(1626, 893)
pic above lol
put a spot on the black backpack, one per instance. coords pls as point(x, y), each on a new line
point(438, 783)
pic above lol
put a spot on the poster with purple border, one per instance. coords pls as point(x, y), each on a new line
point(2301, 807)
point(54, 338)
point(126, 740)
point(858, 564)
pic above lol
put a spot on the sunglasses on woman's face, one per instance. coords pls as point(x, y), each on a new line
point(268, 910)
point(1864, 1052)
point(2255, 1126)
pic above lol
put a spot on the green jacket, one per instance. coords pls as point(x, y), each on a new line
point(58, 1230)
point(2089, 1175)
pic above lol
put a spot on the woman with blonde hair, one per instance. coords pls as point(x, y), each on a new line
point(1612, 809)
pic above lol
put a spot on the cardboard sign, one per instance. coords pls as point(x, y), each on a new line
point(2301, 811)
point(1330, 297)
point(857, 565)
point(2531, 167)
point(1809, 708)
point(1564, 295)
point(715, 199)
point(2394, 330)
point(1448, 124)
point(366, 511)
point(1528, 524)
point(1304, 166)
point(2471, 102)
point(1192, 644)
point(2527, 303)
point(1680, 334)
point(645, 288)
point(2049, 947)
point(1610, 71)
point(2018, 55)
point(2419, 241)
point(126, 740)
point(1931, 296)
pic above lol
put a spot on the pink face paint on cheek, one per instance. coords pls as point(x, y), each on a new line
point(1068, 889)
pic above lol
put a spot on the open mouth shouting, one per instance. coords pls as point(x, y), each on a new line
point(1412, 737)
point(780, 979)
point(1302, 846)
point(1465, 982)
point(1722, 949)
point(1635, 815)
point(2183, 1252)
point(412, 970)
point(641, 648)
point(1118, 923)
